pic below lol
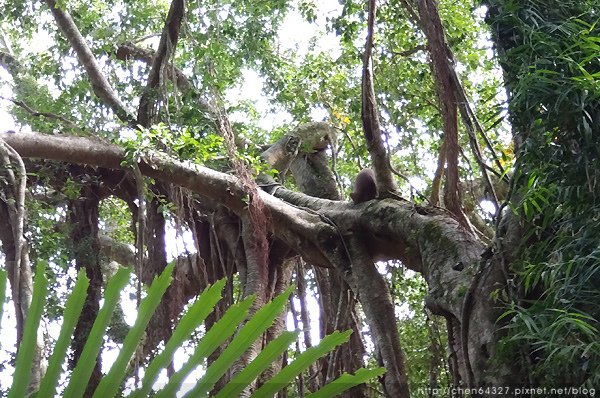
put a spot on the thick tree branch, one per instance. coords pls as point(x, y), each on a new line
point(8, 62)
point(100, 84)
point(300, 218)
point(291, 221)
point(223, 188)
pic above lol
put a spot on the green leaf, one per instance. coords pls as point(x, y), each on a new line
point(213, 338)
point(194, 317)
point(29, 343)
point(71, 314)
point(83, 370)
point(110, 384)
point(302, 362)
point(347, 381)
point(256, 326)
point(263, 360)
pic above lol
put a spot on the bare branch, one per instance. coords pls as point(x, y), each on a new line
point(370, 115)
point(127, 51)
point(408, 53)
point(47, 115)
point(166, 46)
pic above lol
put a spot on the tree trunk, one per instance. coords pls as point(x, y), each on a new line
point(21, 285)
point(374, 295)
point(83, 218)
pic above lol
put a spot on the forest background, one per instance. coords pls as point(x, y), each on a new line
point(476, 265)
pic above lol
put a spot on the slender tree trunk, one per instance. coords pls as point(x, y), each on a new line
point(83, 218)
point(440, 59)
point(283, 276)
point(374, 295)
point(160, 325)
point(257, 280)
point(313, 379)
point(21, 285)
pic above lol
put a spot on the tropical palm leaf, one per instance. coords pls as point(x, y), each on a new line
point(223, 330)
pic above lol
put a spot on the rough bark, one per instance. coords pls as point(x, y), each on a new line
point(256, 283)
point(21, 285)
point(160, 325)
point(215, 256)
point(282, 277)
point(313, 380)
point(376, 300)
point(340, 313)
point(313, 176)
point(13, 239)
point(18, 267)
point(83, 218)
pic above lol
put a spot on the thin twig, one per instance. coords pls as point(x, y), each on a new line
point(408, 53)
point(47, 115)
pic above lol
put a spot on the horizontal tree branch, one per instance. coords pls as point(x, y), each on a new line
point(396, 229)
point(288, 221)
point(408, 229)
